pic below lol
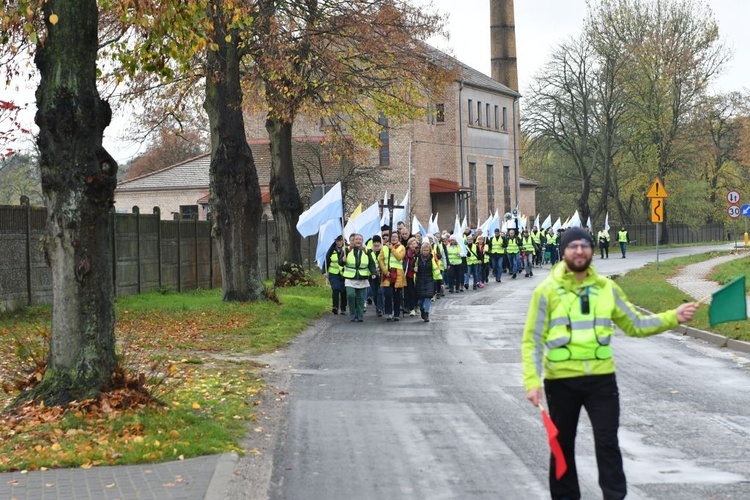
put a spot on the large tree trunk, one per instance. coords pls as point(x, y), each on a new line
point(236, 205)
point(286, 205)
point(78, 180)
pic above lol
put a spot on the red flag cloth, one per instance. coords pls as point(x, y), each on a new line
point(560, 464)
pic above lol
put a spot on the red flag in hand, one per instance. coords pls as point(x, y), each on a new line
point(560, 465)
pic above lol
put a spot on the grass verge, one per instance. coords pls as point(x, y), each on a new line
point(192, 347)
point(648, 287)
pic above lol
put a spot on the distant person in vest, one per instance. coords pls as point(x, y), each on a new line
point(358, 269)
point(603, 238)
point(332, 271)
point(623, 239)
point(512, 245)
point(427, 272)
point(496, 250)
point(393, 280)
point(566, 345)
point(454, 271)
point(376, 292)
point(538, 238)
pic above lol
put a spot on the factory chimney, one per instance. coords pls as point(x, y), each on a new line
point(503, 43)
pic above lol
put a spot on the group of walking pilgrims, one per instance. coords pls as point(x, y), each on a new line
point(400, 273)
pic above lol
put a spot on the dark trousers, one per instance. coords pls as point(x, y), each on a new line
point(604, 249)
point(457, 277)
point(410, 295)
point(599, 395)
point(392, 296)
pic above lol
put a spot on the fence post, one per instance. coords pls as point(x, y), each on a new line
point(210, 257)
point(113, 235)
point(179, 253)
point(26, 203)
point(268, 264)
point(137, 212)
point(157, 213)
point(195, 246)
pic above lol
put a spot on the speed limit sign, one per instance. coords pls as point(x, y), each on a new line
point(733, 211)
point(733, 197)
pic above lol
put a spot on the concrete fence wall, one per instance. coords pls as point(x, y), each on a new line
point(148, 254)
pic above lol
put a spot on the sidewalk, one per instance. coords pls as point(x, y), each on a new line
point(692, 280)
point(208, 477)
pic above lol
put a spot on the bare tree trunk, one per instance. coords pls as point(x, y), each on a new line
point(78, 180)
point(236, 205)
point(285, 202)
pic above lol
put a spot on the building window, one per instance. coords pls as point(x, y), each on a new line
point(491, 189)
point(505, 119)
point(384, 152)
point(506, 188)
point(497, 117)
point(479, 114)
point(440, 113)
point(473, 187)
point(188, 211)
point(471, 112)
point(488, 122)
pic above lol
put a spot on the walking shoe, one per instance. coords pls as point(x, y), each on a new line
point(353, 319)
point(359, 320)
point(450, 291)
point(389, 318)
point(369, 300)
point(466, 286)
point(335, 311)
point(426, 317)
point(526, 275)
point(461, 290)
point(514, 275)
point(395, 318)
point(412, 313)
point(380, 313)
point(342, 311)
point(531, 274)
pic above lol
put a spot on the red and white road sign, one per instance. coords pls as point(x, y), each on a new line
point(733, 211)
point(733, 197)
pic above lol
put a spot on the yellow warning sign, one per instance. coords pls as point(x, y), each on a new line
point(657, 190)
point(657, 210)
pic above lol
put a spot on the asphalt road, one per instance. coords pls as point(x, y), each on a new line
point(437, 410)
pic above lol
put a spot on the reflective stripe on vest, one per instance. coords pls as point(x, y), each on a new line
point(471, 254)
point(512, 245)
point(454, 255)
point(333, 265)
point(622, 236)
point(497, 246)
point(573, 335)
point(393, 263)
point(351, 270)
point(528, 244)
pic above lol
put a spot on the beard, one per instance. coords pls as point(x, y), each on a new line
point(578, 264)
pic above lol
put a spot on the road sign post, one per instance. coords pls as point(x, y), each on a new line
point(657, 194)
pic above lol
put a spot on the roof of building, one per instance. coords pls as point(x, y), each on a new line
point(469, 75)
point(194, 172)
point(527, 182)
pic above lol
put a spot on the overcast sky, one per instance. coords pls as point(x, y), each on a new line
point(540, 26)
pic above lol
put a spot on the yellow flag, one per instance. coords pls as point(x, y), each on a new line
point(356, 212)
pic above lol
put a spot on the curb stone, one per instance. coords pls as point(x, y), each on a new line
point(221, 477)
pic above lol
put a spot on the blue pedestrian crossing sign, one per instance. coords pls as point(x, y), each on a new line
point(745, 210)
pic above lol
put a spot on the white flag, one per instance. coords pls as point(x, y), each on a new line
point(575, 220)
point(588, 224)
point(458, 232)
point(328, 207)
point(326, 236)
point(368, 222)
point(433, 225)
point(536, 221)
point(417, 226)
point(547, 222)
point(606, 222)
point(557, 225)
point(399, 214)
